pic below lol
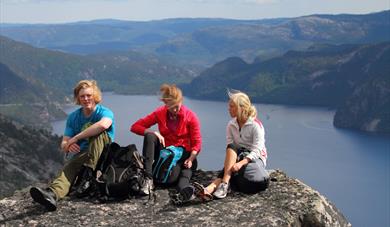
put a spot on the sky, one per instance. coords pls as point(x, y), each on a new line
point(62, 11)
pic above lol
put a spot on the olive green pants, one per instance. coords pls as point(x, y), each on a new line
point(65, 178)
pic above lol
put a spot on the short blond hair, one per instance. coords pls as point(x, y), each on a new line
point(245, 109)
point(171, 93)
point(82, 84)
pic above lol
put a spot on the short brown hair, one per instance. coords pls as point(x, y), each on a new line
point(82, 84)
point(171, 93)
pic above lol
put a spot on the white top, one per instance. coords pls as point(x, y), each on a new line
point(251, 137)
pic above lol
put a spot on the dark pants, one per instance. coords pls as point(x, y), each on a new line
point(252, 177)
point(151, 152)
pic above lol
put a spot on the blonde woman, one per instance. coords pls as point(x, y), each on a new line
point(88, 129)
point(245, 145)
point(177, 126)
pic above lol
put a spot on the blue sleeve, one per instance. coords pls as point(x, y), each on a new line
point(69, 131)
point(107, 113)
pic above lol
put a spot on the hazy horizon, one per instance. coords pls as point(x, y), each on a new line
point(69, 11)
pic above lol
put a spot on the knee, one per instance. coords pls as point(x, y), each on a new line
point(186, 173)
point(150, 137)
point(231, 153)
point(231, 149)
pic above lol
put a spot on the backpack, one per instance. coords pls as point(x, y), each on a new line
point(121, 172)
point(166, 170)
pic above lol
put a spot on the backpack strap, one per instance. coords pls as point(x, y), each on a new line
point(106, 155)
point(164, 154)
point(177, 152)
point(138, 159)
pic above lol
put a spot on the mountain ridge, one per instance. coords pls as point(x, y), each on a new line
point(326, 75)
point(203, 42)
point(47, 78)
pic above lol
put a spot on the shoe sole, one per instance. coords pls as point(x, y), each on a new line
point(200, 192)
point(38, 197)
point(219, 196)
point(198, 188)
point(142, 193)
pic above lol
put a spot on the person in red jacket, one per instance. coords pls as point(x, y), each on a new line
point(177, 126)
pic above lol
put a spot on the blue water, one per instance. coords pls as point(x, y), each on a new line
point(352, 169)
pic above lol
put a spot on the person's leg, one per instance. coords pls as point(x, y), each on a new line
point(184, 188)
point(96, 145)
point(95, 148)
point(230, 160)
point(150, 151)
point(185, 174)
point(213, 185)
point(60, 186)
point(65, 178)
point(221, 189)
point(251, 178)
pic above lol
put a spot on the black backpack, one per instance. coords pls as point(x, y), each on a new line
point(121, 172)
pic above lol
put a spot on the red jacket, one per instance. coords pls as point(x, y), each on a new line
point(187, 133)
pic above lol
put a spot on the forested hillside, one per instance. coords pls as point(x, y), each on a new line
point(353, 78)
point(36, 81)
point(57, 72)
point(27, 156)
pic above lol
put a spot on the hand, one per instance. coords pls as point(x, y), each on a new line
point(72, 146)
point(188, 163)
point(160, 138)
point(236, 167)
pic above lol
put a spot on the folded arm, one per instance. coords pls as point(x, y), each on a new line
point(69, 144)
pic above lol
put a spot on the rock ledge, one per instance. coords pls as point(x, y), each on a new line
point(287, 202)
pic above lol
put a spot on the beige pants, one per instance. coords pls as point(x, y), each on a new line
point(65, 178)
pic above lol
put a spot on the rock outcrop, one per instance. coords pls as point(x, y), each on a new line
point(287, 202)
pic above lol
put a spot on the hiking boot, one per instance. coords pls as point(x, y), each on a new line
point(187, 193)
point(184, 195)
point(45, 197)
point(85, 183)
point(147, 186)
point(221, 190)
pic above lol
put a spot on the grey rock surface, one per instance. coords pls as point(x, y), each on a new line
point(287, 202)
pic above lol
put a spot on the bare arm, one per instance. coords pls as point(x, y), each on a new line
point(70, 144)
point(188, 161)
point(237, 166)
point(74, 148)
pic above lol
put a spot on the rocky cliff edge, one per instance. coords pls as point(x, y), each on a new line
point(287, 202)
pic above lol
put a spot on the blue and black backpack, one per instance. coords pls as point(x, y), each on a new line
point(166, 170)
